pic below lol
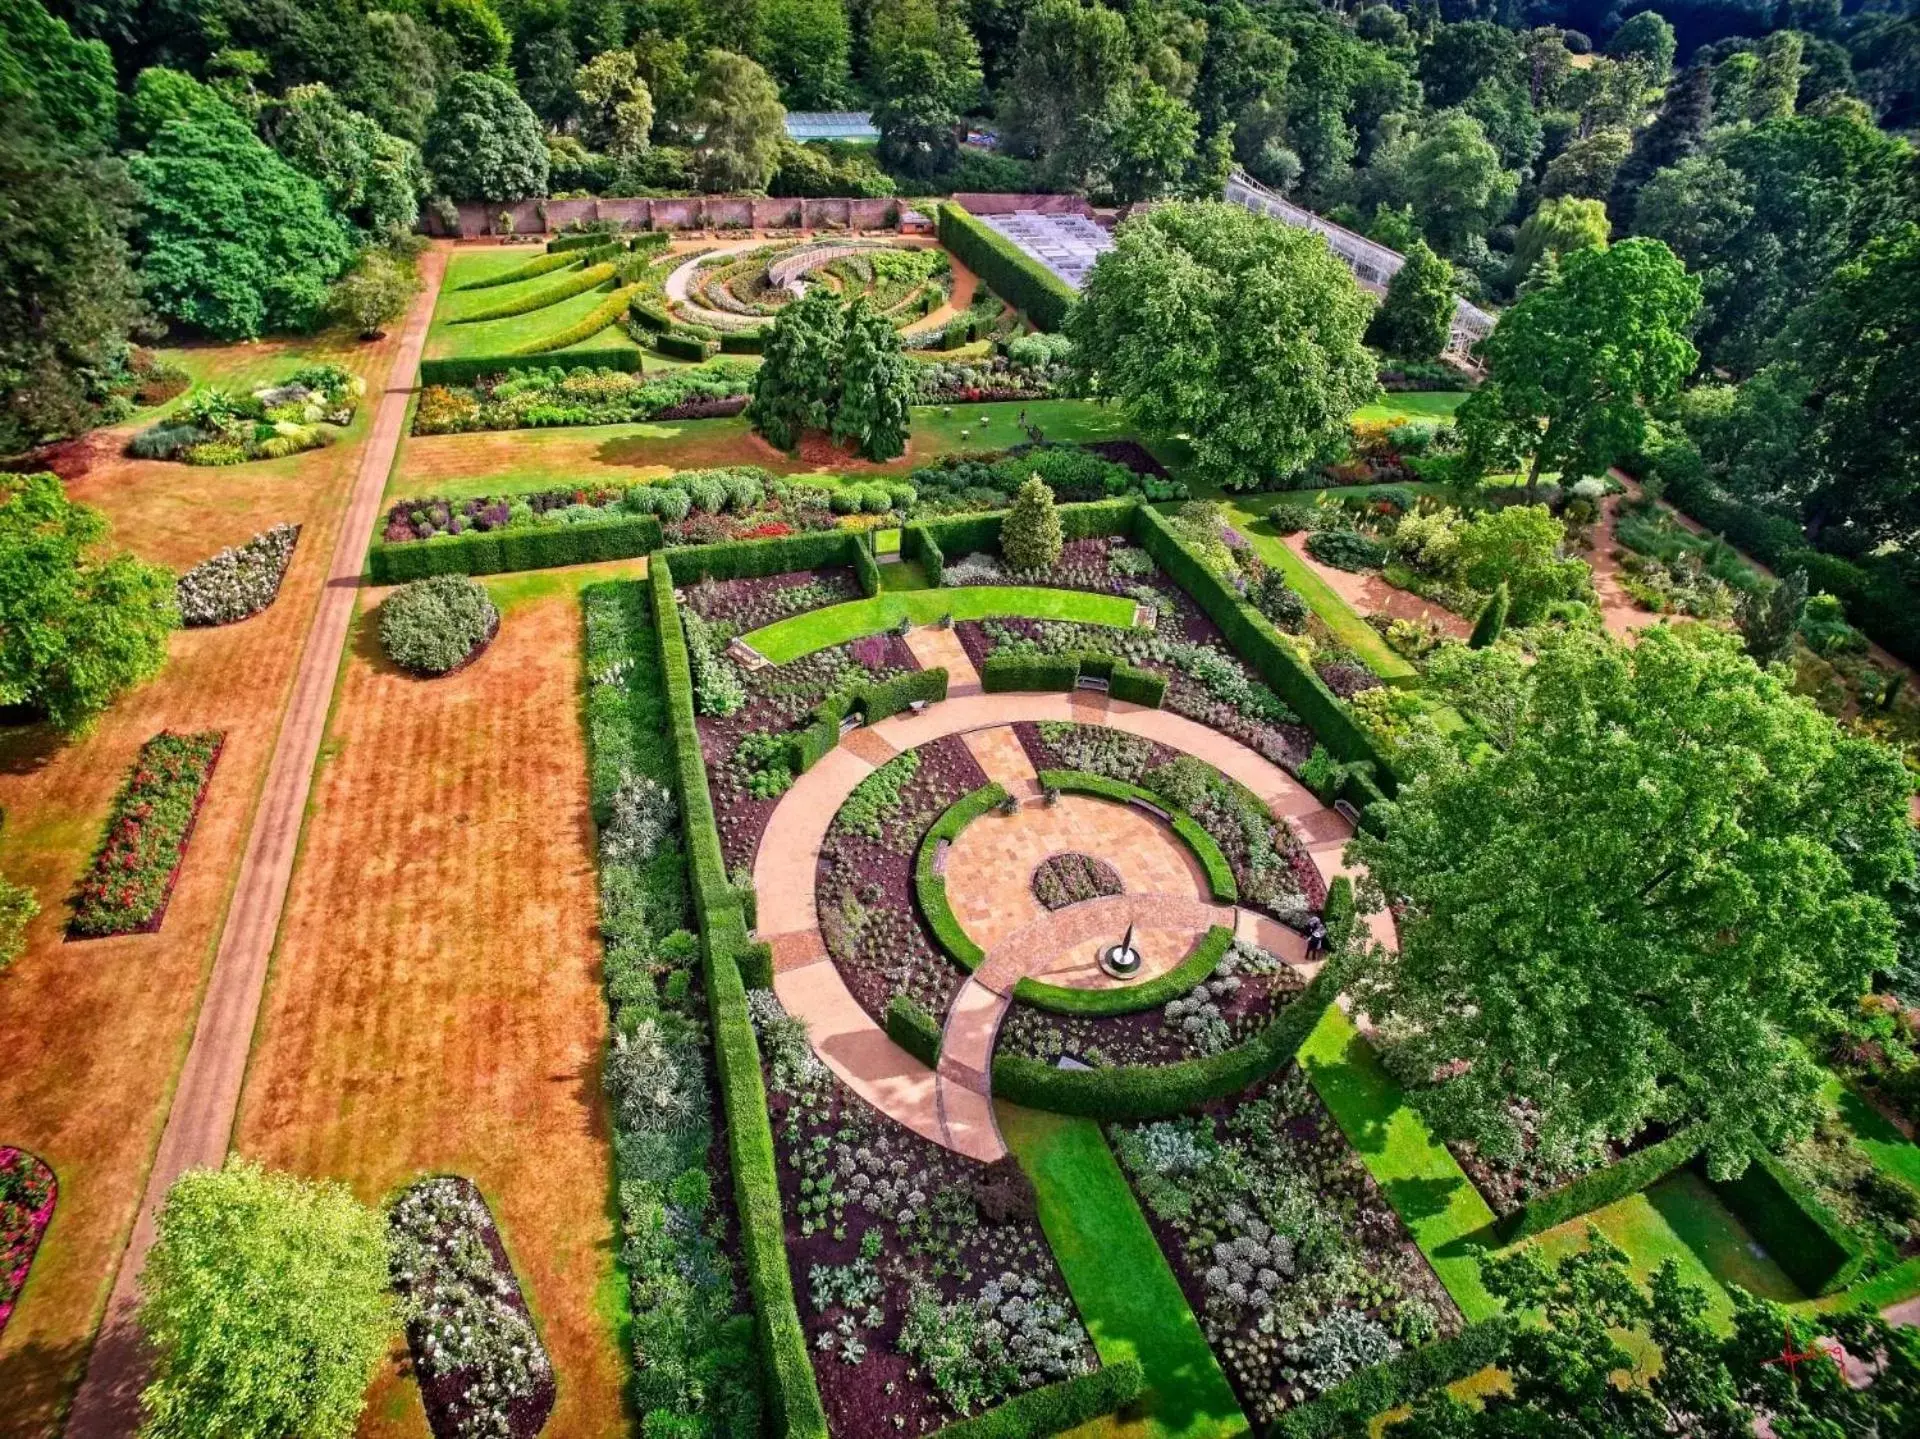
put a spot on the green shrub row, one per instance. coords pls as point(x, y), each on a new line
point(743, 342)
point(913, 1029)
point(468, 368)
point(873, 702)
point(577, 240)
point(931, 889)
point(647, 240)
point(644, 308)
point(1130, 999)
point(606, 313)
point(684, 347)
point(1003, 674)
point(1257, 642)
point(1010, 272)
point(917, 543)
point(793, 1395)
point(590, 278)
point(497, 552)
point(961, 330)
point(1159, 1091)
point(964, 535)
point(1348, 1407)
point(1603, 1186)
point(1137, 686)
point(538, 265)
point(1816, 1248)
point(751, 559)
point(1205, 849)
point(866, 569)
point(1056, 1408)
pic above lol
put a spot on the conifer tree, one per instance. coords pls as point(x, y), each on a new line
point(1031, 538)
point(876, 386)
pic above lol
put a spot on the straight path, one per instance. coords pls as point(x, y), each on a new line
point(200, 1120)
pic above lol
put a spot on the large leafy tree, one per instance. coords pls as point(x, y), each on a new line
point(1561, 225)
point(740, 120)
point(875, 405)
point(1451, 175)
point(483, 143)
point(267, 1301)
point(372, 178)
point(794, 388)
point(234, 241)
point(918, 114)
point(614, 105)
point(76, 631)
point(1153, 147)
point(1721, 887)
point(807, 45)
point(1573, 365)
point(1414, 320)
point(1066, 99)
point(1212, 322)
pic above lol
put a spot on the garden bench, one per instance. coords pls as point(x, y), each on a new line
point(1347, 812)
point(1152, 809)
point(1091, 682)
point(940, 849)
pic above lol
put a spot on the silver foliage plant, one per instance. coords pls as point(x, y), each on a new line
point(642, 817)
point(239, 582)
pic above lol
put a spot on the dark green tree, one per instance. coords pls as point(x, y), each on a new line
point(1414, 320)
point(371, 178)
point(740, 121)
point(1458, 59)
point(1031, 537)
point(1153, 149)
point(1065, 102)
point(1770, 620)
point(796, 387)
point(917, 115)
point(484, 143)
point(1646, 37)
point(874, 408)
point(1492, 620)
point(806, 45)
point(1677, 132)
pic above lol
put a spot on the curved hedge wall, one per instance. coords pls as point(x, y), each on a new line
point(931, 888)
point(1010, 272)
point(1205, 849)
point(1129, 999)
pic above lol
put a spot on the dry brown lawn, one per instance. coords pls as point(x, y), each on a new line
point(93, 1033)
point(435, 1004)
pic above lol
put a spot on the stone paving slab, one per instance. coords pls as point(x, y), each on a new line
point(1064, 947)
point(937, 648)
point(869, 746)
point(1003, 759)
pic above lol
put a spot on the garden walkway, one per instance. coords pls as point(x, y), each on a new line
point(952, 1107)
point(200, 1119)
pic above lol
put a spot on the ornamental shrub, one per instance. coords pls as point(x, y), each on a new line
point(435, 625)
point(1031, 538)
point(1347, 550)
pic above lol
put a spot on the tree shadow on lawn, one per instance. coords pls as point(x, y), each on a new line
point(38, 1380)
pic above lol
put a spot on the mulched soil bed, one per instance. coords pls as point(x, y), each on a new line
point(1063, 879)
point(875, 1213)
point(28, 1192)
point(1131, 453)
point(749, 604)
point(869, 919)
point(472, 1298)
point(1299, 1172)
point(150, 824)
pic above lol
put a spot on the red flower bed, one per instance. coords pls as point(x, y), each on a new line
point(27, 1193)
point(126, 890)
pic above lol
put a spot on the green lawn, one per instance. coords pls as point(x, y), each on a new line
point(1426, 1187)
point(449, 340)
point(1411, 405)
point(1120, 1281)
point(936, 431)
point(1889, 1149)
point(799, 635)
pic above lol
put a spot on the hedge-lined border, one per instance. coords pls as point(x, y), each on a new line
point(792, 1393)
point(602, 315)
point(1348, 1407)
point(1146, 1091)
point(1056, 1408)
point(1200, 962)
point(1010, 272)
point(962, 535)
point(532, 269)
point(1004, 674)
point(1205, 848)
point(872, 702)
point(1602, 1187)
point(591, 278)
point(466, 369)
point(1816, 1248)
point(917, 544)
point(496, 552)
point(931, 888)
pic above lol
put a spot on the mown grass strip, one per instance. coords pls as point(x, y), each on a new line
point(1121, 1283)
point(799, 635)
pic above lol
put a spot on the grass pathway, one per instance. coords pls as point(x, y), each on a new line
point(1121, 1283)
point(1426, 1187)
point(802, 634)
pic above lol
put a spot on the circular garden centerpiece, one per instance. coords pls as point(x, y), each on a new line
point(745, 289)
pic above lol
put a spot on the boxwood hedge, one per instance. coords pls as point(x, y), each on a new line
point(931, 888)
point(591, 278)
point(1348, 1407)
point(468, 368)
point(1010, 272)
point(873, 702)
point(1602, 1187)
point(1130, 999)
point(1818, 1250)
point(1056, 1408)
point(913, 1029)
point(1002, 674)
point(494, 552)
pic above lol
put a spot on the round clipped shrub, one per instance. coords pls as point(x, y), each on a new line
point(432, 627)
point(844, 502)
point(673, 504)
point(875, 500)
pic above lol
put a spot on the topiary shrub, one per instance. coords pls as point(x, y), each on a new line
point(1030, 537)
point(433, 627)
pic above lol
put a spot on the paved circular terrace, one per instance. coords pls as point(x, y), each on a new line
point(953, 1106)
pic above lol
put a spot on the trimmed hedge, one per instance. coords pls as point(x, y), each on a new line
point(495, 552)
point(1137, 686)
point(684, 347)
point(1158, 1091)
point(1056, 1408)
point(1603, 1186)
point(1205, 849)
point(931, 888)
point(606, 313)
point(1064, 999)
point(751, 559)
point(1348, 1407)
point(980, 534)
point(1257, 642)
point(793, 1396)
point(866, 569)
point(743, 342)
point(873, 702)
point(466, 369)
point(538, 265)
point(913, 1029)
point(1010, 272)
point(590, 278)
point(917, 543)
point(643, 309)
point(577, 240)
point(1810, 1242)
point(1001, 674)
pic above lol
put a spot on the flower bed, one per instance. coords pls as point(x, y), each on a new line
point(239, 582)
point(1298, 1269)
point(957, 484)
point(480, 1362)
point(28, 1192)
point(126, 889)
point(218, 427)
point(873, 930)
point(926, 1286)
point(1063, 879)
point(536, 397)
point(746, 605)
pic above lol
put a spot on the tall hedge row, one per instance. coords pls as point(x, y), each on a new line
point(1248, 631)
point(1348, 1407)
point(1010, 272)
point(1192, 833)
point(866, 569)
point(980, 534)
point(1020, 673)
point(793, 1396)
point(469, 368)
point(577, 240)
point(1603, 1186)
point(917, 543)
point(1131, 1092)
point(873, 702)
point(1056, 1408)
point(1818, 1250)
point(751, 559)
point(496, 552)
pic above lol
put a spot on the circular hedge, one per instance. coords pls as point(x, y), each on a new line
point(433, 627)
